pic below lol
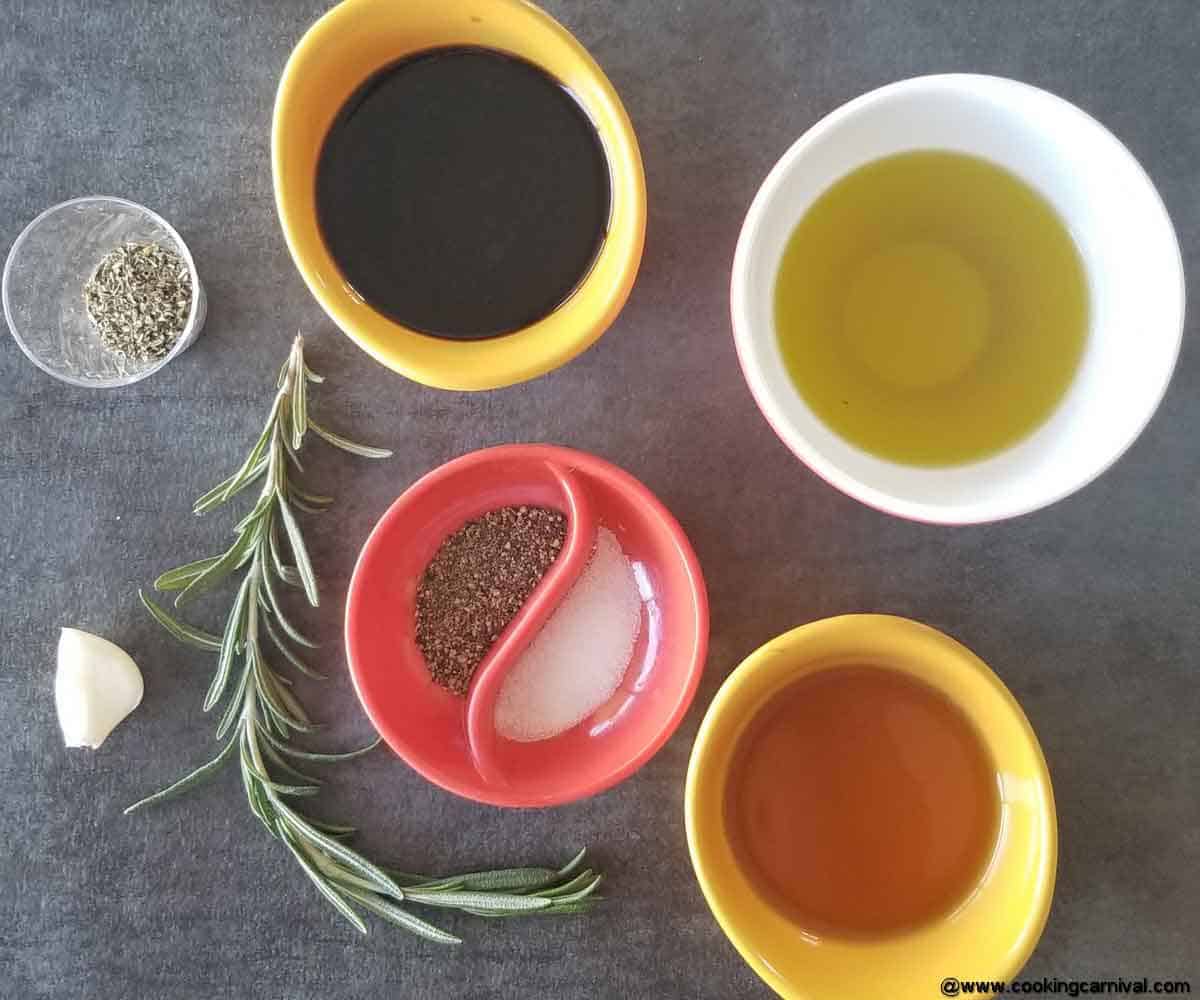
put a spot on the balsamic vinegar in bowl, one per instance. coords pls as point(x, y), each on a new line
point(463, 192)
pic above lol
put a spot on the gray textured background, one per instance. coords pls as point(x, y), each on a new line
point(1088, 610)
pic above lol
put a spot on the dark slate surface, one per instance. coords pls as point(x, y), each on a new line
point(1088, 610)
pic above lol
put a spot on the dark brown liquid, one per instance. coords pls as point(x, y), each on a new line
point(862, 802)
point(463, 193)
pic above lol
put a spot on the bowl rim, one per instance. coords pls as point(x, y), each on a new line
point(639, 494)
point(522, 363)
point(186, 335)
point(963, 658)
point(952, 513)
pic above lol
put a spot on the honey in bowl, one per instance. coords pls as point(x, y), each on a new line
point(861, 802)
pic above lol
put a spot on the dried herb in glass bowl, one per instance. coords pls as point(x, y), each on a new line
point(139, 298)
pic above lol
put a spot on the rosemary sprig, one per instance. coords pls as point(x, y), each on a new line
point(262, 713)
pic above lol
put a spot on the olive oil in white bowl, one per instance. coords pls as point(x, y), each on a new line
point(1123, 236)
point(931, 308)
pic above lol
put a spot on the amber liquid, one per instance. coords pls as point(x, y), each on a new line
point(861, 802)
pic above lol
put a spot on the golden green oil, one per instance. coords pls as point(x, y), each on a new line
point(931, 308)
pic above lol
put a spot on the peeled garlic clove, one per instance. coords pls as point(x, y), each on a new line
point(97, 684)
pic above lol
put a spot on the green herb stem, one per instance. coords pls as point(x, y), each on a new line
point(262, 714)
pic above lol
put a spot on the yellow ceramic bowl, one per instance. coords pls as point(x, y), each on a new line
point(991, 933)
point(344, 48)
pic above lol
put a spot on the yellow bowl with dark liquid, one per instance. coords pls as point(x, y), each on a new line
point(351, 43)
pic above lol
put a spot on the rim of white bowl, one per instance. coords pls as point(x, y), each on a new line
point(186, 335)
point(950, 513)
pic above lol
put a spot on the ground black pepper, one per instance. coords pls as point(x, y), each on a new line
point(476, 583)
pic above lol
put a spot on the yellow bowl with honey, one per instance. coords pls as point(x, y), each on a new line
point(986, 934)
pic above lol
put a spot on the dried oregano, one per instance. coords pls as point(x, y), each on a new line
point(139, 298)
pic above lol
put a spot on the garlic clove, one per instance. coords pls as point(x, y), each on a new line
point(96, 685)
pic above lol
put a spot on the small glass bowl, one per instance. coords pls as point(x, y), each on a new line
point(42, 290)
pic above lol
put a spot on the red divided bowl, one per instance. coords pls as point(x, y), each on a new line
point(450, 739)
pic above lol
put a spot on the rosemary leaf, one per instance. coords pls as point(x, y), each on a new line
point(333, 829)
point(217, 572)
point(240, 478)
point(578, 896)
point(316, 499)
point(567, 888)
point(256, 796)
point(574, 864)
point(409, 881)
point(296, 540)
point(285, 573)
point(479, 900)
point(273, 721)
point(365, 451)
point(299, 412)
point(289, 654)
point(229, 488)
point(234, 708)
point(340, 852)
point(553, 911)
point(389, 911)
point(342, 877)
point(229, 644)
point(255, 772)
point(181, 576)
point(277, 469)
point(306, 507)
point(256, 514)
point(181, 630)
point(252, 531)
point(250, 628)
point(508, 880)
point(330, 758)
point(294, 633)
point(286, 440)
point(202, 773)
point(319, 758)
point(319, 880)
point(296, 790)
point(269, 697)
point(290, 701)
point(280, 761)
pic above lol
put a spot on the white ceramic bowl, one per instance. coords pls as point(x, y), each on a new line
point(1129, 250)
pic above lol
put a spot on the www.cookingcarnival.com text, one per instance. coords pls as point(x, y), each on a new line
point(952, 986)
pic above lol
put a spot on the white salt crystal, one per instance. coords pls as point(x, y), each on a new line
point(577, 660)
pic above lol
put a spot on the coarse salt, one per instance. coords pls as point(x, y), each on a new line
point(578, 659)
